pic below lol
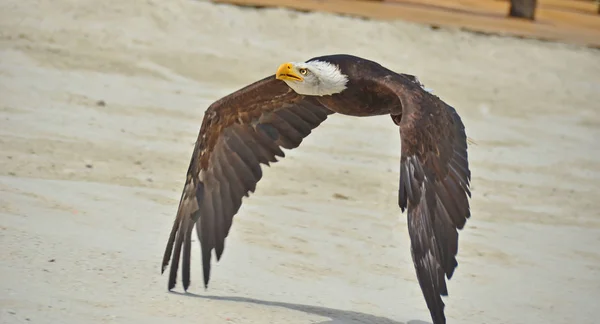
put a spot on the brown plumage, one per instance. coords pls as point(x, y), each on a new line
point(251, 126)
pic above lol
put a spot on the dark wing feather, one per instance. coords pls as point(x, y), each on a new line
point(238, 133)
point(434, 187)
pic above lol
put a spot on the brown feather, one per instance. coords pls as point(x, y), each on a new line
point(437, 146)
point(238, 133)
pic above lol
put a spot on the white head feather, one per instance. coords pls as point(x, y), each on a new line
point(321, 78)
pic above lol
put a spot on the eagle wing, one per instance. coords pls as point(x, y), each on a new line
point(434, 187)
point(238, 133)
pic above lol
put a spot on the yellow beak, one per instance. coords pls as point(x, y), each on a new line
point(286, 72)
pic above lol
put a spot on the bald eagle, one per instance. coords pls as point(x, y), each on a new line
point(252, 125)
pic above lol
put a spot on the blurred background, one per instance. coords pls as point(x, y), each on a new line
point(571, 21)
point(101, 103)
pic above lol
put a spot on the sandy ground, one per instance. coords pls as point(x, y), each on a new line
point(100, 104)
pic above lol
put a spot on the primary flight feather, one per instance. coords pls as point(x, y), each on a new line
point(251, 126)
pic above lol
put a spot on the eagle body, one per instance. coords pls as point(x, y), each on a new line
point(251, 126)
point(365, 95)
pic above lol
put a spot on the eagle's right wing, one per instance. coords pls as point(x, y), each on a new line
point(434, 185)
point(238, 133)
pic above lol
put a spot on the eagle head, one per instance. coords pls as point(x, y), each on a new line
point(313, 78)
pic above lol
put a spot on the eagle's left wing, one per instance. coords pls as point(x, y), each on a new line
point(239, 133)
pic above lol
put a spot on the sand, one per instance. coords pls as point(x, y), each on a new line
point(100, 104)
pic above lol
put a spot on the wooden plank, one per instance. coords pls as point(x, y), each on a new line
point(567, 21)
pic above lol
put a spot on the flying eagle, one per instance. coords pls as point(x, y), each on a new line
point(252, 125)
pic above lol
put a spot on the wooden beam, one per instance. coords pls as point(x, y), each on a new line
point(554, 18)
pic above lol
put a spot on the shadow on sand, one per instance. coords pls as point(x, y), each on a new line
point(336, 316)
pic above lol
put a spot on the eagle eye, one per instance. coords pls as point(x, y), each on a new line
point(303, 71)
